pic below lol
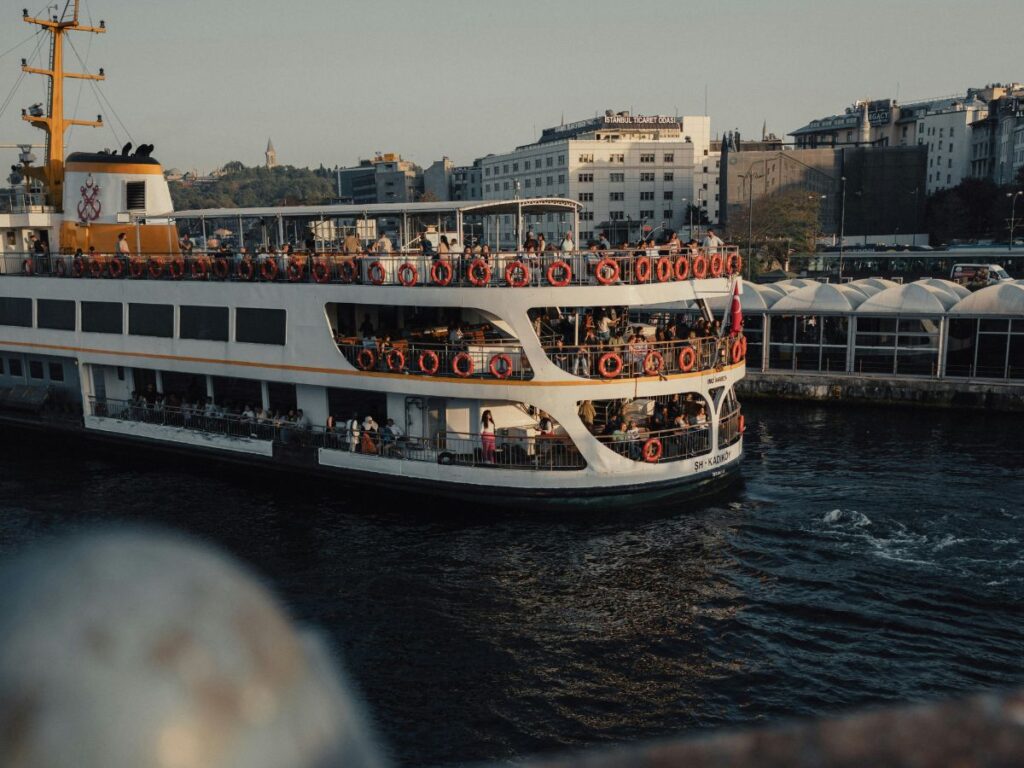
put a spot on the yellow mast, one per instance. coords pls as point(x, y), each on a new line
point(54, 124)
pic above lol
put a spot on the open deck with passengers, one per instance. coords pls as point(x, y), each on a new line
point(392, 345)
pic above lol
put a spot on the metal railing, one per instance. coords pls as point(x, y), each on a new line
point(468, 359)
point(645, 358)
point(661, 445)
point(409, 269)
point(730, 428)
point(502, 450)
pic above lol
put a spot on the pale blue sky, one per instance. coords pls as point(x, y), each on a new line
point(331, 81)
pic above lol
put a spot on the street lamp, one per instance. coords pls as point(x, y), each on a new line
point(842, 227)
point(748, 179)
point(1013, 222)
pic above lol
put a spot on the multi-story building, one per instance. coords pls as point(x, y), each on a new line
point(444, 180)
point(997, 151)
point(635, 175)
point(467, 181)
point(387, 178)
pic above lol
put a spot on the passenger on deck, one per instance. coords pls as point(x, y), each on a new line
point(603, 243)
point(383, 245)
point(352, 432)
point(487, 437)
point(485, 253)
point(122, 246)
point(300, 420)
point(712, 242)
point(427, 247)
point(351, 245)
point(674, 245)
point(541, 244)
point(581, 362)
point(366, 329)
point(568, 246)
point(442, 247)
point(453, 247)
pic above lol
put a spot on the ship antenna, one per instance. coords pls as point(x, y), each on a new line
point(54, 124)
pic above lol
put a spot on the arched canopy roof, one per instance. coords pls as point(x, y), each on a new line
point(946, 285)
point(1002, 300)
point(910, 299)
point(818, 298)
point(753, 299)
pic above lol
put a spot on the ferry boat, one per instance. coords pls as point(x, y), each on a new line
point(343, 339)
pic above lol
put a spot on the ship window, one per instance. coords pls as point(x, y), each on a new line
point(15, 311)
point(136, 193)
point(281, 396)
point(151, 320)
point(58, 314)
point(102, 317)
point(14, 366)
point(56, 372)
point(260, 326)
point(204, 323)
point(35, 369)
point(1, 366)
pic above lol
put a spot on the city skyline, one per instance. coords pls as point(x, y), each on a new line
point(450, 78)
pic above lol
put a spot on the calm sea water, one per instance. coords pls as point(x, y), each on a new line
point(869, 556)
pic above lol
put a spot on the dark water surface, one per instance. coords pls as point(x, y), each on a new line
point(869, 556)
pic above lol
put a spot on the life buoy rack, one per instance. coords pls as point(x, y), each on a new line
point(501, 366)
point(155, 266)
point(136, 268)
point(376, 273)
point(682, 268)
point(607, 271)
point(395, 360)
point(246, 270)
point(687, 359)
point(736, 351)
point(221, 268)
point(177, 268)
point(654, 362)
point(642, 269)
point(268, 269)
point(652, 450)
point(700, 266)
point(517, 274)
point(429, 362)
point(664, 270)
point(366, 358)
point(347, 271)
point(95, 267)
point(27, 267)
point(116, 268)
point(735, 263)
point(462, 365)
point(479, 272)
point(408, 275)
point(441, 273)
point(61, 268)
point(200, 268)
point(77, 266)
point(321, 270)
point(717, 265)
point(610, 365)
point(556, 267)
point(294, 270)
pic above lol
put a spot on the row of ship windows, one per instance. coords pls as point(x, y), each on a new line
point(13, 369)
point(252, 325)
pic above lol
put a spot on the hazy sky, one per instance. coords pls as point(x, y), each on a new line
point(207, 81)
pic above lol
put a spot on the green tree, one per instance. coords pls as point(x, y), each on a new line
point(239, 186)
point(781, 221)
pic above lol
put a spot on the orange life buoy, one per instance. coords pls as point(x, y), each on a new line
point(664, 269)
point(610, 365)
point(155, 266)
point(366, 359)
point(78, 266)
point(517, 274)
point(479, 272)
point(737, 351)
point(136, 268)
point(177, 268)
point(652, 450)
point(556, 267)
point(700, 266)
point(735, 263)
point(429, 362)
point(682, 268)
point(504, 370)
point(687, 359)
point(717, 265)
point(268, 269)
point(95, 267)
point(607, 271)
point(200, 267)
point(441, 273)
point(375, 273)
point(321, 270)
point(294, 270)
point(221, 268)
point(462, 365)
point(395, 360)
point(116, 268)
point(642, 270)
point(654, 362)
point(246, 270)
point(743, 424)
point(27, 267)
point(347, 271)
point(408, 275)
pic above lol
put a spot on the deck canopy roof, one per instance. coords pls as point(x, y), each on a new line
point(1002, 300)
point(374, 210)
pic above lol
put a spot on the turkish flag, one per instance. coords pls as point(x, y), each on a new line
point(736, 318)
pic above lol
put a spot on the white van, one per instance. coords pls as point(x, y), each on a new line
point(978, 275)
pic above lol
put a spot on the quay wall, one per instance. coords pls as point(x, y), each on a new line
point(883, 390)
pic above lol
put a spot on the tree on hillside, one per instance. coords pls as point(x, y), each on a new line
point(242, 187)
point(780, 221)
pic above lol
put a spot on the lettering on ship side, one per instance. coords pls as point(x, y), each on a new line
point(712, 461)
point(717, 379)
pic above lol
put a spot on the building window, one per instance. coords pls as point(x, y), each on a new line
point(950, 146)
point(646, 214)
point(527, 183)
point(586, 215)
point(617, 158)
point(647, 195)
point(550, 180)
point(667, 195)
point(561, 178)
point(549, 161)
point(504, 185)
point(669, 176)
point(616, 215)
point(951, 132)
point(56, 372)
point(667, 213)
point(949, 178)
point(526, 165)
point(646, 177)
point(646, 157)
point(504, 168)
point(615, 195)
point(487, 171)
point(586, 197)
point(536, 182)
point(587, 158)
point(616, 178)
point(585, 178)
point(670, 157)
point(487, 187)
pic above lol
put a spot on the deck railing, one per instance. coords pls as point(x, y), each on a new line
point(484, 359)
point(730, 427)
point(506, 451)
point(409, 269)
point(661, 445)
point(646, 358)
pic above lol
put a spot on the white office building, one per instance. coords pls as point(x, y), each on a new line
point(947, 133)
point(635, 175)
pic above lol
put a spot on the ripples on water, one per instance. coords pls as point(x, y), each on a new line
point(869, 556)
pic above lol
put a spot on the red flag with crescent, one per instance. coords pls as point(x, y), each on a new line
point(736, 318)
